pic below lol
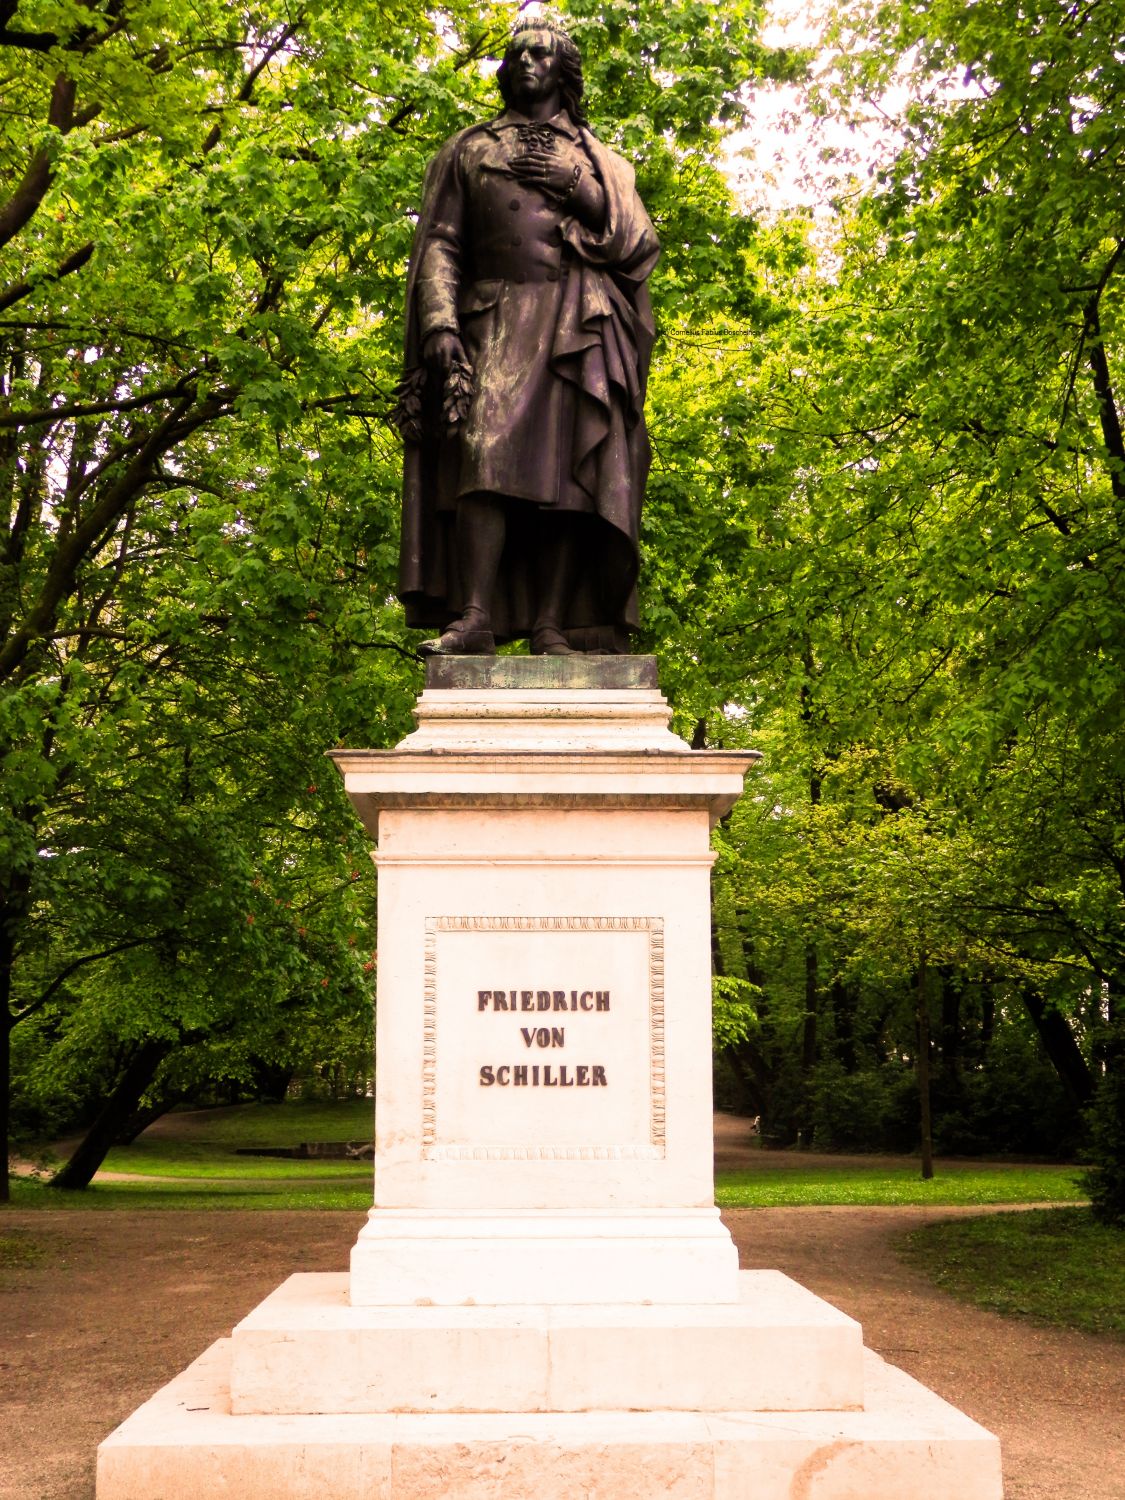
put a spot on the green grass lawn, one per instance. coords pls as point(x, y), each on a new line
point(287, 1124)
point(898, 1182)
point(196, 1152)
point(209, 1160)
point(204, 1143)
point(1052, 1265)
point(314, 1193)
point(264, 1182)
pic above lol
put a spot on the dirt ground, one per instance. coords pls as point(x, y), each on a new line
point(117, 1303)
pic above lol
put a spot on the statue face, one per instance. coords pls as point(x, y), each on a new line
point(533, 66)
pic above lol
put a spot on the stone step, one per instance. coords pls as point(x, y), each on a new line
point(779, 1347)
point(906, 1444)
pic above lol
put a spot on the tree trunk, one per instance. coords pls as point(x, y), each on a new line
point(112, 1117)
point(1112, 435)
point(142, 1117)
point(844, 1000)
point(923, 1073)
point(810, 956)
point(1061, 1048)
point(808, 1043)
point(753, 1072)
point(272, 1080)
point(7, 1024)
point(950, 1034)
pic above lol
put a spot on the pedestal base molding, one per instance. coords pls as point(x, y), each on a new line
point(419, 1257)
point(906, 1444)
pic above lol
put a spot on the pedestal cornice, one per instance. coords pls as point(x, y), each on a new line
point(533, 732)
point(378, 780)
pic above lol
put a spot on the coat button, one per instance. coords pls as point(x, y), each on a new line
point(517, 241)
point(552, 276)
point(520, 277)
point(515, 203)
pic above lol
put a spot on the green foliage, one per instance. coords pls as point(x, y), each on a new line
point(869, 1109)
point(1059, 1266)
point(1011, 1103)
point(1014, 1103)
point(733, 1012)
point(898, 574)
point(194, 272)
point(1105, 1181)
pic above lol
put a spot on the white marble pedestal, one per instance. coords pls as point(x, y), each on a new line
point(544, 1300)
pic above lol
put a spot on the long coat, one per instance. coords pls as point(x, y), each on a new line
point(557, 324)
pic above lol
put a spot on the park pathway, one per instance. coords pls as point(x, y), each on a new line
point(1056, 1399)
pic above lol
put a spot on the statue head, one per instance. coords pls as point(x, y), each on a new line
point(570, 63)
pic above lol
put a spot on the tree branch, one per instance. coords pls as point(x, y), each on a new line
point(49, 415)
point(64, 974)
point(286, 35)
point(69, 552)
point(28, 41)
point(37, 178)
point(1108, 414)
point(73, 262)
point(403, 651)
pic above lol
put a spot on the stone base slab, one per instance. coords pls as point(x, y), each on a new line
point(779, 1348)
point(906, 1444)
point(430, 1258)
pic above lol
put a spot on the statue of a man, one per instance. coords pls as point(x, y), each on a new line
point(528, 337)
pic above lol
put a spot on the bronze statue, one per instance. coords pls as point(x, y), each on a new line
point(528, 337)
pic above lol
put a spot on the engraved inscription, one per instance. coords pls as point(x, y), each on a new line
point(613, 1006)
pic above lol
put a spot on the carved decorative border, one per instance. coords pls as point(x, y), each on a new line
point(429, 1035)
point(654, 1151)
point(656, 1030)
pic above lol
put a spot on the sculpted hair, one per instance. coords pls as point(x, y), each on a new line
point(571, 85)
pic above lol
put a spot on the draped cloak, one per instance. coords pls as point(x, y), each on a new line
point(560, 362)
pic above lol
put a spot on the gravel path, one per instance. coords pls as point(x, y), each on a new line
point(1055, 1399)
point(117, 1303)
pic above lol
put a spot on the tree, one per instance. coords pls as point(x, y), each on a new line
point(202, 260)
point(187, 240)
point(908, 571)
